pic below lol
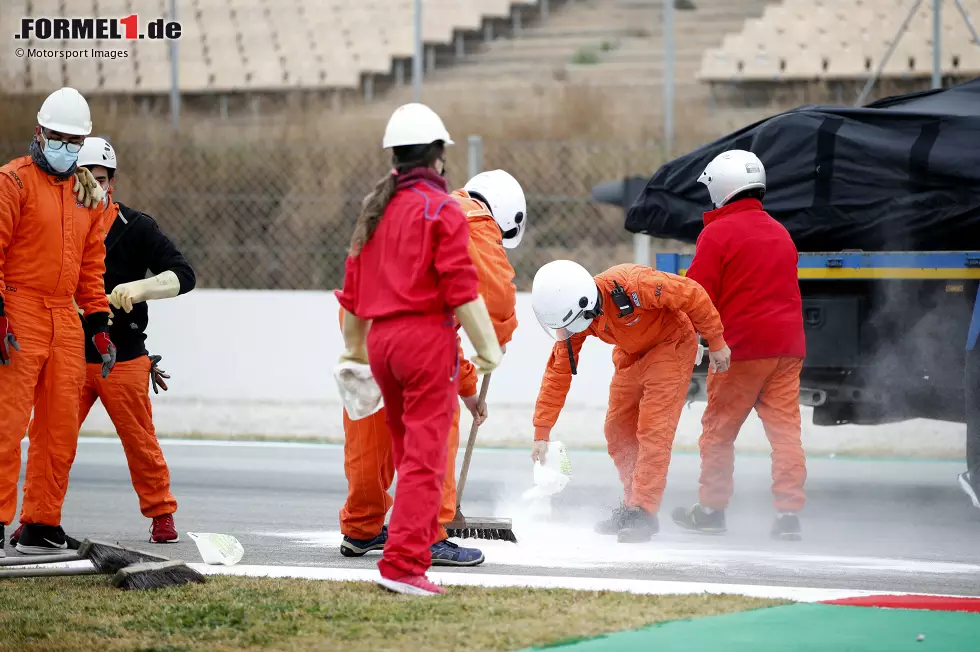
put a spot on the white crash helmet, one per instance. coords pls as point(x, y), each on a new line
point(414, 124)
point(67, 112)
point(732, 172)
point(505, 198)
point(565, 298)
point(97, 151)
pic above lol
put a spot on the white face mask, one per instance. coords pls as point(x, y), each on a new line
point(60, 159)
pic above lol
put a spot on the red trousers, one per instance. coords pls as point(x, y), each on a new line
point(772, 387)
point(414, 361)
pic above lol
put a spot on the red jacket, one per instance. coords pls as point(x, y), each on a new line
point(747, 262)
point(417, 262)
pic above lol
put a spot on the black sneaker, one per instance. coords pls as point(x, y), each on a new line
point(786, 527)
point(15, 537)
point(613, 524)
point(697, 519)
point(44, 540)
point(2, 535)
point(357, 547)
point(639, 526)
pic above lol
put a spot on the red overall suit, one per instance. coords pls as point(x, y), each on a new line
point(407, 279)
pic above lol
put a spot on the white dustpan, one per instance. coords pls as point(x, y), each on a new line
point(218, 548)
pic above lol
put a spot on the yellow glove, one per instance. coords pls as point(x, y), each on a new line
point(475, 320)
point(161, 286)
point(87, 190)
point(355, 339)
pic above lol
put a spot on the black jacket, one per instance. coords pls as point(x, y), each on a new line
point(133, 245)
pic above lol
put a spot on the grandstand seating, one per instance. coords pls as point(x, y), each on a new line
point(809, 40)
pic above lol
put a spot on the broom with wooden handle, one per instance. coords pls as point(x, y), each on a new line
point(468, 527)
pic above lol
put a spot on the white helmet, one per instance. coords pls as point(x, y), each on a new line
point(66, 111)
point(732, 172)
point(505, 198)
point(414, 124)
point(565, 298)
point(97, 151)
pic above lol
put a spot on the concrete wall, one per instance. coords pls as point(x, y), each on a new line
point(259, 363)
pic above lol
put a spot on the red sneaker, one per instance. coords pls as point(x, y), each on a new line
point(163, 530)
point(411, 585)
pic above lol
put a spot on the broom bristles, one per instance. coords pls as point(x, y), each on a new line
point(494, 534)
point(109, 558)
point(156, 575)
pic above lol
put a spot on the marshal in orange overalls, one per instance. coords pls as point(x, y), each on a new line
point(51, 248)
point(654, 352)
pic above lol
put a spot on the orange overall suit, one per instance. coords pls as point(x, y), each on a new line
point(654, 352)
point(368, 462)
point(51, 249)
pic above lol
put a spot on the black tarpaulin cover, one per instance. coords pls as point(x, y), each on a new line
point(902, 173)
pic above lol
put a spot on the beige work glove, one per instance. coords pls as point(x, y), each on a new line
point(87, 190)
point(161, 286)
point(355, 339)
point(475, 320)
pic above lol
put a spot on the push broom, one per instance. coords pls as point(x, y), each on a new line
point(106, 558)
point(150, 575)
point(468, 527)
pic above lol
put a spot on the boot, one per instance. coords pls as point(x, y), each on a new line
point(613, 524)
point(786, 527)
point(697, 519)
point(639, 526)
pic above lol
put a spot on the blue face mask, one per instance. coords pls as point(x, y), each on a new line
point(60, 159)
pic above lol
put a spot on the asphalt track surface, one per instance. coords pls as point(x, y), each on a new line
point(887, 525)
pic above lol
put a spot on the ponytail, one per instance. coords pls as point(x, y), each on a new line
point(372, 208)
point(404, 159)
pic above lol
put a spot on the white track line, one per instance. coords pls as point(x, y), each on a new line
point(642, 587)
point(646, 587)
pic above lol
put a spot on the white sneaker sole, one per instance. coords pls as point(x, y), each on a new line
point(404, 589)
point(40, 550)
point(177, 540)
point(968, 490)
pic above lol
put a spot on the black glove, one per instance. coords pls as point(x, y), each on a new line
point(98, 325)
point(157, 375)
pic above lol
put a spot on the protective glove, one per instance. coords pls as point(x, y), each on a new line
point(475, 320)
point(355, 339)
point(7, 339)
point(87, 190)
point(161, 286)
point(98, 323)
point(157, 375)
